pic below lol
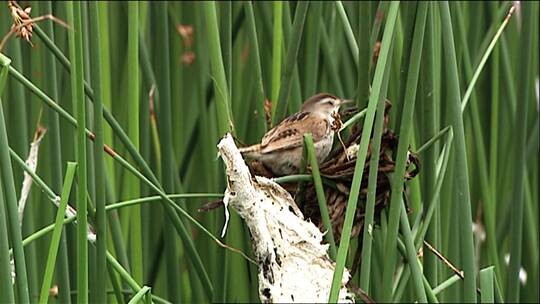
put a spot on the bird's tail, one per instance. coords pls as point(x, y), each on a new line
point(250, 151)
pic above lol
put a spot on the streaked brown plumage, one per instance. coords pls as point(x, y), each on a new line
point(280, 149)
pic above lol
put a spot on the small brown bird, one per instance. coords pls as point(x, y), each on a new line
point(280, 149)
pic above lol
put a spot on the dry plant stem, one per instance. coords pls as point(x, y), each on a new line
point(31, 21)
point(31, 161)
point(360, 293)
point(446, 262)
point(293, 264)
point(70, 211)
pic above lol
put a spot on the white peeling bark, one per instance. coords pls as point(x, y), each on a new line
point(32, 164)
point(293, 264)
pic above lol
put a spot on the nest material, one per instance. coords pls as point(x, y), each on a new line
point(339, 169)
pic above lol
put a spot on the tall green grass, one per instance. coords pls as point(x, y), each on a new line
point(140, 104)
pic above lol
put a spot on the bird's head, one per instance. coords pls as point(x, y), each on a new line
point(323, 102)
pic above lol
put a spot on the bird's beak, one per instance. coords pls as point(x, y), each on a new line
point(345, 101)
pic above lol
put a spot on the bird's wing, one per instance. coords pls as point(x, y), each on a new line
point(289, 133)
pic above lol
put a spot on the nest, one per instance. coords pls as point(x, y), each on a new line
point(338, 171)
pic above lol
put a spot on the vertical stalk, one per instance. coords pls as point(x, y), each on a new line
point(280, 108)
point(377, 96)
point(412, 260)
point(259, 95)
point(487, 280)
point(90, 94)
point(321, 199)
point(295, 96)
point(277, 42)
point(311, 69)
point(106, 83)
point(133, 132)
point(525, 86)
point(164, 124)
point(55, 241)
point(226, 48)
point(153, 183)
point(96, 62)
point(364, 53)
point(62, 264)
point(489, 202)
point(330, 60)
point(397, 178)
point(428, 106)
point(146, 127)
point(403, 47)
point(5, 265)
point(90, 167)
point(367, 237)
point(461, 178)
point(226, 43)
point(225, 123)
point(19, 115)
point(491, 211)
point(347, 28)
point(10, 197)
point(77, 89)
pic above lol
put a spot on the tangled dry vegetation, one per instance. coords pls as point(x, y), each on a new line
point(337, 173)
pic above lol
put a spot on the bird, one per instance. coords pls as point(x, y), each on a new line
point(280, 149)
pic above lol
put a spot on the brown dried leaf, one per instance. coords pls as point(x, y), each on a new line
point(268, 111)
point(186, 32)
point(22, 23)
point(376, 51)
point(188, 58)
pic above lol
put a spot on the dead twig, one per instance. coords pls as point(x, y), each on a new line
point(441, 257)
point(23, 24)
point(32, 164)
point(444, 260)
point(360, 293)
